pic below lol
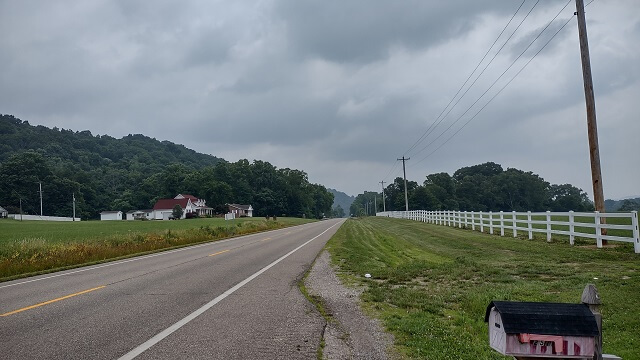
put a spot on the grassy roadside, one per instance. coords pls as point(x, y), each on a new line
point(33, 247)
point(431, 284)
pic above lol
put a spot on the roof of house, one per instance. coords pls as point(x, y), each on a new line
point(139, 211)
point(241, 207)
point(110, 212)
point(545, 318)
point(2, 209)
point(186, 196)
point(167, 204)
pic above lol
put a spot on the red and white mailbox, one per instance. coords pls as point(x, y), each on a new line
point(541, 330)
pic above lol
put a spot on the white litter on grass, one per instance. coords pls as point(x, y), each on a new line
point(595, 278)
point(367, 275)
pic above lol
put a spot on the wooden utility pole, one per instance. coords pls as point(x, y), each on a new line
point(375, 204)
point(592, 127)
point(404, 171)
point(384, 207)
point(40, 198)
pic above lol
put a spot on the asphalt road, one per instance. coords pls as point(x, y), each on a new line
point(229, 299)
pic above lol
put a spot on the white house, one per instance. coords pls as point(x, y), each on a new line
point(199, 205)
point(3, 212)
point(241, 210)
point(111, 215)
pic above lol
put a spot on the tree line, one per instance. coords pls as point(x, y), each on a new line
point(483, 187)
point(104, 173)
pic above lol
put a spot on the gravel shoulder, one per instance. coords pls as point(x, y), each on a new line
point(350, 334)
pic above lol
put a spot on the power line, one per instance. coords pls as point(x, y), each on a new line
point(431, 127)
point(501, 89)
point(500, 77)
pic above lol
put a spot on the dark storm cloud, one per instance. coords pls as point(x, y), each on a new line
point(363, 31)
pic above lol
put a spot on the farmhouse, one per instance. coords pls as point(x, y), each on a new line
point(163, 209)
point(241, 210)
point(111, 215)
point(3, 213)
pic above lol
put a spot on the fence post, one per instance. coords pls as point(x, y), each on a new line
point(548, 226)
point(598, 231)
point(491, 222)
point(501, 223)
point(515, 231)
point(481, 223)
point(448, 217)
point(473, 220)
point(636, 233)
point(529, 225)
point(572, 227)
point(465, 219)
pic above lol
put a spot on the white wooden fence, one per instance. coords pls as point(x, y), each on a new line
point(577, 223)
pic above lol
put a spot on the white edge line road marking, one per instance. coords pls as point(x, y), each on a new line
point(138, 258)
point(168, 331)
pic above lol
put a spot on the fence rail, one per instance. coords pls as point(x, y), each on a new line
point(624, 225)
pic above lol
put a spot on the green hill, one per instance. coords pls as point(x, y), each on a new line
point(105, 173)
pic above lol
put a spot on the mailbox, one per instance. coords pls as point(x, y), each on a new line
point(542, 330)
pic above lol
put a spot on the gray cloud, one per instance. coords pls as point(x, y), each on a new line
point(339, 89)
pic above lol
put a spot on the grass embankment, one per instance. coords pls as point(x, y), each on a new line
point(30, 247)
point(431, 284)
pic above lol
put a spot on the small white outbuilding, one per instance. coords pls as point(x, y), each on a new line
point(111, 215)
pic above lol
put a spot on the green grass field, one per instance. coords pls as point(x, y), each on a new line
point(431, 284)
point(65, 232)
point(32, 247)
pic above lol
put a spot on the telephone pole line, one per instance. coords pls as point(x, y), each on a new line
point(40, 198)
point(404, 171)
point(74, 206)
point(375, 203)
point(384, 206)
point(592, 127)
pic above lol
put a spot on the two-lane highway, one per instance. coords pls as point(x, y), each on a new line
point(236, 298)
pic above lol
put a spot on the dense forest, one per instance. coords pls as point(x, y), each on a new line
point(105, 173)
point(483, 187)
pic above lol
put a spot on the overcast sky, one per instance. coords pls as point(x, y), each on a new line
point(339, 89)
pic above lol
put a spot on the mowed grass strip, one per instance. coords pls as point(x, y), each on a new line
point(431, 284)
point(31, 247)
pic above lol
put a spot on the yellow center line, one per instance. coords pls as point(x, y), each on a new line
point(265, 239)
point(219, 252)
point(52, 301)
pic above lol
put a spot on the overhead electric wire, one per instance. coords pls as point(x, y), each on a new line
point(478, 77)
point(496, 81)
point(468, 78)
point(501, 89)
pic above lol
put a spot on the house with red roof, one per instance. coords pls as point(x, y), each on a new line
point(163, 208)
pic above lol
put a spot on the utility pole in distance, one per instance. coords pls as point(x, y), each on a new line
point(384, 206)
point(592, 127)
point(404, 171)
point(40, 198)
point(375, 204)
point(74, 206)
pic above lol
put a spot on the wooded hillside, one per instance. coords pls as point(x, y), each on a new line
point(483, 187)
point(130, 173)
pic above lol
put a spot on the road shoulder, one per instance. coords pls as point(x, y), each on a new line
point(351, 334)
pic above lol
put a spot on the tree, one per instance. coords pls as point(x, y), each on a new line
point(629, 205)
point(567, 197)
point(177, 212)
